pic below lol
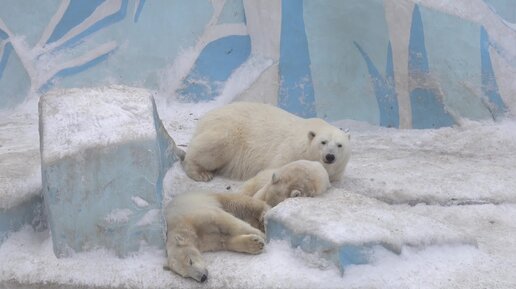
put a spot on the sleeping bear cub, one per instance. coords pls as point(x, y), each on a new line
point(199, 222)
point(300, 178)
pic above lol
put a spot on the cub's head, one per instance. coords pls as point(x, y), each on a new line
point(300, 178)
point(185, 259)
point(330, 146)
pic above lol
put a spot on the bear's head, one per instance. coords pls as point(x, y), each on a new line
point(185, 259)
point(301, 178)
point(331, 147)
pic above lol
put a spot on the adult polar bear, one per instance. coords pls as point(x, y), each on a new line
point(241, 139)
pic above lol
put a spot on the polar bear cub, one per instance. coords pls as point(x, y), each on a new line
point(300, 178)
point(241, 139)
point(199, 222)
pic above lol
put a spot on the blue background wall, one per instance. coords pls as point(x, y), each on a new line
point(391, 63)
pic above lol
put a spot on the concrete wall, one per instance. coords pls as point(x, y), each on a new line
point(397, 63)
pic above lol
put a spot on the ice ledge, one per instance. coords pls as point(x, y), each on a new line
point(345, 228)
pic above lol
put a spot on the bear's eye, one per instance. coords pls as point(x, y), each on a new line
point(339, 145)
point(190, 261)
point(323, 142)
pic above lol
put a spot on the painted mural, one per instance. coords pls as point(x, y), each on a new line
point(402, 64)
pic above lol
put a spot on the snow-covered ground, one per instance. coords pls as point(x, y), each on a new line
point(473, 163)
point(463, 177)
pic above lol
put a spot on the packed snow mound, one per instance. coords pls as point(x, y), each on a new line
point(86, 118)
point(28, 259)
point(104, 155)
point(347, 228)
point(473, 163)
point(347, 218)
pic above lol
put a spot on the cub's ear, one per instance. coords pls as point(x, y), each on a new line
point(346, 132)
point(275, 178)
point(180, 241)
point(311, 135)
point(295, 194)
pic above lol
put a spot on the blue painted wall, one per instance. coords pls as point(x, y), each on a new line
point(296, 87)
point(394, 64)
point(214, 66)
point(428, 109)
point(343, 86)
point(504, 8)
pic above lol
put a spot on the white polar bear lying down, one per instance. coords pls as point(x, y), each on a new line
point(199, 222)
point(241, 139)
point(300, 178)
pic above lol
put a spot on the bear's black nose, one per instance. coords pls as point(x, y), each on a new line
point(204, 278)
point(330, 158)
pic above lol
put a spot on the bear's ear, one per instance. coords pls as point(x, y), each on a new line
point(275, 178)
point(311, 135)
point(295, 194)
point(180, 241)
point(346, 132)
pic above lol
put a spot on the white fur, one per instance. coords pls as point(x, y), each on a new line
point(198, 222)
point(241, 139)
point(300, 178)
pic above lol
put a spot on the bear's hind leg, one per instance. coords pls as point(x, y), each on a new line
point(230, 225)
point(238, 235)
point(245, 208)
point(249, 243)
point(196, 172)
point(207, 152)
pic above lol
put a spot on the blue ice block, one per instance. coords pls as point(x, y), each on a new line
point(104, 154)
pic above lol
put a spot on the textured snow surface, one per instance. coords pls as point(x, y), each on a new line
point(344, 218)
point(141, 203)
point(118, 216)
point(421, 173)
point(76, 119)
point(28, 256)
point(20, 169)
point(474, 163)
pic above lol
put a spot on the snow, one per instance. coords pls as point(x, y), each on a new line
point(456, 160)
point(118, 216)
point(70, 127)
point(345, 218)
point(20, 170)
point(29, 258)
point(141, 203)
point(151, 217)
point(473, 163)
point(460, 178)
